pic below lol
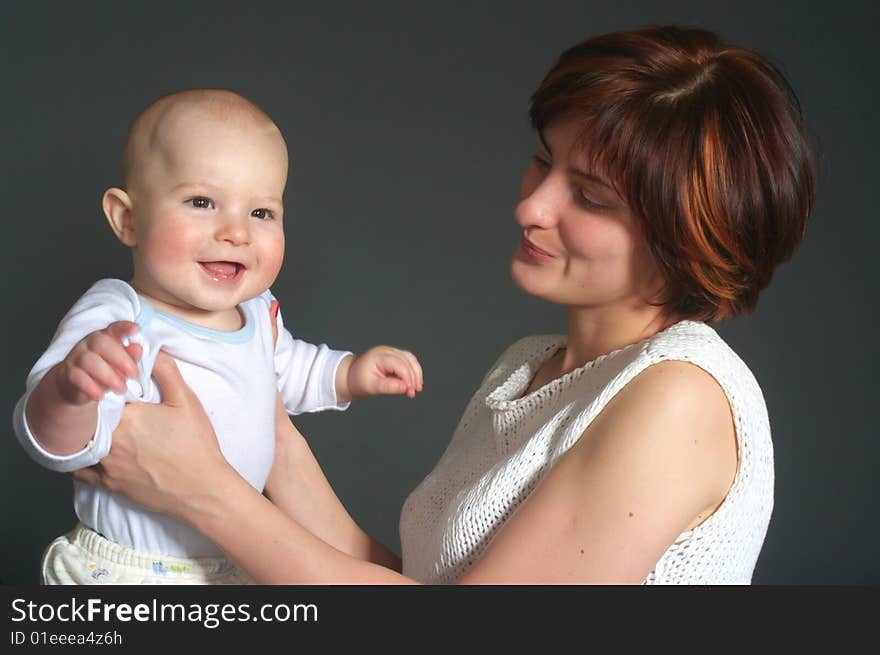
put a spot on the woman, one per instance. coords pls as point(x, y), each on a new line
point(671, 178)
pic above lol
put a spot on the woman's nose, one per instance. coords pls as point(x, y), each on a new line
point(540, 201)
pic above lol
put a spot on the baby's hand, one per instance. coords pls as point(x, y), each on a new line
point(97, 363)
point(382, 370)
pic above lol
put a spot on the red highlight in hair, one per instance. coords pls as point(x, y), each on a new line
point(706, 144)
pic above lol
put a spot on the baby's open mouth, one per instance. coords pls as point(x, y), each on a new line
point(222, 270)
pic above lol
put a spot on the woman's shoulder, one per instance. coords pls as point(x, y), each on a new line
point(687, 380)
point(684, 379)
point(679, 374)
point(688, 339)
point(676, 390)
point(676, 416)
point(700, 345)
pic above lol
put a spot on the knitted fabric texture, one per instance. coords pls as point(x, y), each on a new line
point(506, 443)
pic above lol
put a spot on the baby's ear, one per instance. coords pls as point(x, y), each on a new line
point(117, 208)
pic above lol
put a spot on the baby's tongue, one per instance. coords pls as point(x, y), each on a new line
point(220, 269)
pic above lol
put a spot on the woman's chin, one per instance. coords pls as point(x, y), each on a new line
point(530, 281)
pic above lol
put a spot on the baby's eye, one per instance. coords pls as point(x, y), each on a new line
point(262, 213)
point(200, 202)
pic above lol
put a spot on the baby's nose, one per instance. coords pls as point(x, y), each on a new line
point(234, 230)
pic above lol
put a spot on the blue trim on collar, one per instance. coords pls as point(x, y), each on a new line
point(243, 335)
point(145, 316)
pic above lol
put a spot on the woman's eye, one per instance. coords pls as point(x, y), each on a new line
point(201, 203)
point(541, 162)
point(586, 200)
point(262, 213)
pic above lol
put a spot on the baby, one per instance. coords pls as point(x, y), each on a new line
point(201, 208)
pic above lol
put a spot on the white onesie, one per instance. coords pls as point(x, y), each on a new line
point(235, 376)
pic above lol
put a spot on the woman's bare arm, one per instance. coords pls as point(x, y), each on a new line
point(659, 458)
point(299, 488)
point(660, 453)
point(272, 547)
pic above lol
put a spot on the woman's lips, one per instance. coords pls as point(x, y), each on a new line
point(534, 251)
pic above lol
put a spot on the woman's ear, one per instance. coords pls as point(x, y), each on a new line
point(116, 204)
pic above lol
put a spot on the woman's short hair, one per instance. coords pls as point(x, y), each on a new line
point(706, 144)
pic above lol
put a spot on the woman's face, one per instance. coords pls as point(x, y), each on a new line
point(580, 244)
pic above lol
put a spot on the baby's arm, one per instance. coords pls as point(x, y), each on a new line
point(315, 378)
point(62, 411)
point(105, 303)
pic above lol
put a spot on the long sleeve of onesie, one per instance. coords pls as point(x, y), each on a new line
point(306, 373)
point(106, 302)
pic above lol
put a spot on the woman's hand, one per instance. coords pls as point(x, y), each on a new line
point(164, 456)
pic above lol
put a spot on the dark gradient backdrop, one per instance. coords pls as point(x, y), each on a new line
point(408, 134)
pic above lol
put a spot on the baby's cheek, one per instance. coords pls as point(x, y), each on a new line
point(272, 258)
point(176, 244)
point(169, 247)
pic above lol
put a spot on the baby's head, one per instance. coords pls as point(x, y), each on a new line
point(200, 206)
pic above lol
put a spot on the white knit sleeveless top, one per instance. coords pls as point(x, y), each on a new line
point(506, 443)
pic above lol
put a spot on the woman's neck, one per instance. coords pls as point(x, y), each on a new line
point(593, 332)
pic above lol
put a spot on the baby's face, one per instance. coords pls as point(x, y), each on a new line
point(207, 212)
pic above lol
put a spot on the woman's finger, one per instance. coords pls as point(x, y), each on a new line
point(171, 385)
point(89, 475)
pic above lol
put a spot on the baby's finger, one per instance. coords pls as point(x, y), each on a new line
point(115, 354)
point(84, 383)
point(101, 371)
point(135, 351)
point(392, 371)
point(417, 368)
point(393, 386)
point(402, 367)
point(413, 367)
point(121, 329)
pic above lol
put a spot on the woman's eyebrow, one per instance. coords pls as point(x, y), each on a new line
point(579, 172)
point(544, 142)
point(589, 177)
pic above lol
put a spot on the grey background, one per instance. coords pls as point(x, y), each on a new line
point(408, 132)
